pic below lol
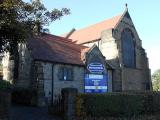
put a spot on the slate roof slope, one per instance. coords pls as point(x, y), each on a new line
point(55, 49)
point(93, 32)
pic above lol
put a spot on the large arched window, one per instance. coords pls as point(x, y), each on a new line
point(128, 49)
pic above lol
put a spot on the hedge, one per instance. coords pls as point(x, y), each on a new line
point(24, 96)
point(4, 85)
point(117, 104)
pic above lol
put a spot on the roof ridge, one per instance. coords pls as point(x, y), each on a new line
point(94, 24)
point(60, 38)
point(57, 36)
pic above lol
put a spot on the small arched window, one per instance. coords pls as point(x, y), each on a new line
point(128, 49)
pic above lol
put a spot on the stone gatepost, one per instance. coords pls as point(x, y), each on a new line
point(40, 84)
point(69, 96)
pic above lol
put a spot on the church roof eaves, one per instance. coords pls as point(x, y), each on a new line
point(55, 49)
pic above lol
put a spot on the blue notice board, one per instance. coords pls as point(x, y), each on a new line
point(96, 83)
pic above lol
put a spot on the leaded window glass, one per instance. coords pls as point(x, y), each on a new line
point(128, 48)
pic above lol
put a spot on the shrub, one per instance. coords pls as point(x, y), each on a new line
point(116, 104)
point(4, 99)
point(24, 96)
point(4, 85)
point(156, 102)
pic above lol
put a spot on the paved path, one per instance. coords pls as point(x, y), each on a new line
point(30, 113)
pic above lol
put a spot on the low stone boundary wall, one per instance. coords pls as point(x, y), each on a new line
point(5, 102)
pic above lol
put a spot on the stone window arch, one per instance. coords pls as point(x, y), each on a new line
point(128, 48)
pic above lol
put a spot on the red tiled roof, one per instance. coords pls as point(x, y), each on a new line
point(93, 32)
point(55, 49)
point(83, 51)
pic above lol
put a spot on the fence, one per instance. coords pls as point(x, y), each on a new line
point(57, 107)
point(65, 105)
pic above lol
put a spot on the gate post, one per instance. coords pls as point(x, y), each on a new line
point(69, 96)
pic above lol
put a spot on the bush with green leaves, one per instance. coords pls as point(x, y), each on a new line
point(117, 104)
point(156, 80)
point(4, 85)
point(24, 96)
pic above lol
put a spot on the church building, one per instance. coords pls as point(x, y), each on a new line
point(104, 57)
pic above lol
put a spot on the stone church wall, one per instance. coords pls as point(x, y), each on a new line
point(141, 60)
point(111, 47)
point(8, 66)
point(132, 79)
point(25, 65)
point(140, 72)
point(135, 79)
point(48, 82)
point(77, 82)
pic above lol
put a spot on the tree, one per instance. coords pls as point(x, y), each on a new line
point(156, 80)
point(20, 20)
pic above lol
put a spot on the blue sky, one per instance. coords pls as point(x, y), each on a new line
point(144, 13)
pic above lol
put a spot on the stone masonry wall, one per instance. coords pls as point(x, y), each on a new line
point(38, 82)
point(140, 73)
point(140, 53)
point(132, 79)
point(111, 47)
point(8, 66)
point(78, 79)
point(50, 71)
point(25, 65)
